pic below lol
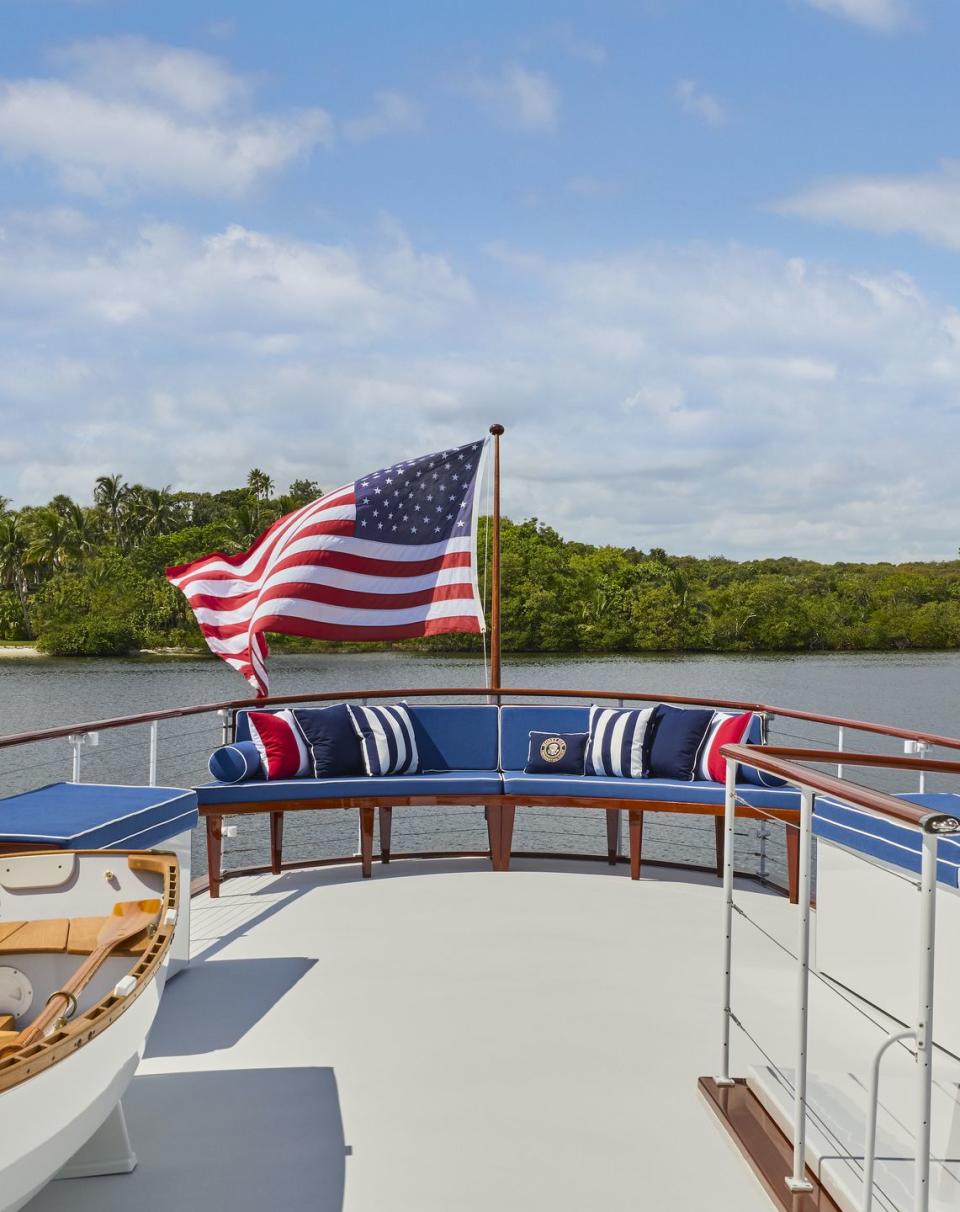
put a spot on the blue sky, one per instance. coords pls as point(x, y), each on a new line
point(699, 257)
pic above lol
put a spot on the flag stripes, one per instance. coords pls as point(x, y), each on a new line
point(388, 557)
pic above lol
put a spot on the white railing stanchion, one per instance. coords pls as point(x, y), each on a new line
point(225, 737)
point(729, 833)
point(78, 740)
point(840, 750)
point(798, 1180)
point(873, 1100)
point(928, 933)
point(152, 767)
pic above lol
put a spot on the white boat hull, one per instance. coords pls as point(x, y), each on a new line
point(53, 1101)
point(44, 1121)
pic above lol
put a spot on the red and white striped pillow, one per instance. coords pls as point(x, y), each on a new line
point(283, 755)
point(724, 729)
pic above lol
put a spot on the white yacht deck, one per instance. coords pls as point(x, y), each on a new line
point(447, 1037)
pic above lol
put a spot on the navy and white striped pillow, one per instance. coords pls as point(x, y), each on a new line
point(619, 742)
point(386, 739)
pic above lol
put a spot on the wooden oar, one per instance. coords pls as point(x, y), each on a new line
point(128, 919)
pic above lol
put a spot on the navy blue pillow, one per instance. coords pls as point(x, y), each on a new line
point(677, 737)
point(235, 763)
point(758, 778)
point(557, 753)
point(332, 741)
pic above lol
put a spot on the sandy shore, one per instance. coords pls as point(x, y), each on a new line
point(20, 650)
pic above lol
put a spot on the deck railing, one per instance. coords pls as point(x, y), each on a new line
point(785, 763)
point(176, 755)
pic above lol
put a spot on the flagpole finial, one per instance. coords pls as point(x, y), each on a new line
point(496, 429)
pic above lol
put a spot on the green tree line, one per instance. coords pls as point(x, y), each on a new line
point(88, 580)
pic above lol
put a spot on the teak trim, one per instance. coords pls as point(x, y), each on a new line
point(37, 1057)
point(500, 811)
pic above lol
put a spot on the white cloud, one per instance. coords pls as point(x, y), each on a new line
point(708, 399)
point(517, 95)
point(693, 100)
point(393, 113)
point(136, 115)
point(883, 15)
point(133, 67)
point(926, 204)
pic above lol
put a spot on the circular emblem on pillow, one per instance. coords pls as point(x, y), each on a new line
point(553, 749)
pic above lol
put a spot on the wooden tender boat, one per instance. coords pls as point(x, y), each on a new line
point(84, 943)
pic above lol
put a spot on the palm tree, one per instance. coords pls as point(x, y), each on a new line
point(14, 572)
point(83, 534)
point(156, 511)
point(244, 525)
point(110, 493)
point(50, 543)
point(259, 484)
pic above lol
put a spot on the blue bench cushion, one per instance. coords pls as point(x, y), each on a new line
point(455, 737)
point(672, 791)
point(516, 724)
point(454, 782)
point(887, 840)
point(448, 737)
point(94, 816)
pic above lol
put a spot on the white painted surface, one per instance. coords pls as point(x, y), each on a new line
point(476, 1040)
point(868, 927)
point(443, 1038)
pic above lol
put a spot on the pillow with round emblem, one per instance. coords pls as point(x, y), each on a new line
point(557, 753)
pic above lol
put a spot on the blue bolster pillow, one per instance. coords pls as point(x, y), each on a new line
point(235, 763)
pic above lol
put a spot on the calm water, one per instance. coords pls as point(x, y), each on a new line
point(919, 690)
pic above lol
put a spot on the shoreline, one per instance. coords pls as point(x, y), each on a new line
point(27, 651)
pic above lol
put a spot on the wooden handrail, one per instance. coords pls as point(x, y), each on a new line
point(851, 757)
point(506, 692)
point(175, 713)
point(843, 789)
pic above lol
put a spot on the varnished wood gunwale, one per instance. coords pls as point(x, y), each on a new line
point(18, 1066)
point(505, 692)
point(763, 1144)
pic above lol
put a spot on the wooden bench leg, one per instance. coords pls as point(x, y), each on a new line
point(494, 816)
point(793, 863)
point(366, 841)
point(276, 842)
point(214, 853)
point(507, 814)
point(386, 825)
point(613, 835)
point(636, 841)
point(719, 826)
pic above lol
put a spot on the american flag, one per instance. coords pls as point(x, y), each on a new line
point(389, 556)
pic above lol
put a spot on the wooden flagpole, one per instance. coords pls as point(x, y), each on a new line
point(495, 682)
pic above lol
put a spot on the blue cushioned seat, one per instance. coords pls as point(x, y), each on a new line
point(94, 816)
point(672, 791)
point(516, 724)
point(453, 782)
point(887, 840)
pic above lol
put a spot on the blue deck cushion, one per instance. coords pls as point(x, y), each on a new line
point(889, 841)
point(620, 741)
point(456, 737)
point(671, 791)
point(332, 741)
point(94, 816)
point(678, 734)
point(516, 724)
point(454, 782)
point(555, 753)
point(235, 763)
point(387, 741)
